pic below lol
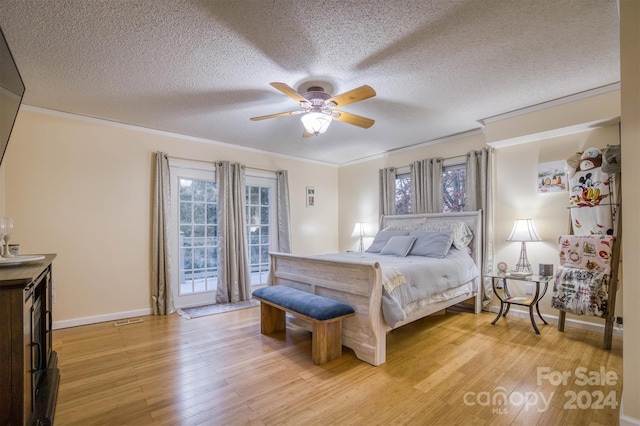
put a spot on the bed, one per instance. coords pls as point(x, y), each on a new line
point(361, 281)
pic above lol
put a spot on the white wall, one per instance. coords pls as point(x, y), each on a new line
point(83, 189)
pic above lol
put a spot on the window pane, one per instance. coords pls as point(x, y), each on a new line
point(211, 213)
point(185, 189)
point(210, 194)
point(255, 255)
point(254, 236)
point(212, 260)
point(254, 215)
point(255, 195)
point(264, 196)
point(198, 231)
point(403, 194)
point(187, 259)
point(185, 230)
point(186, 215)
point(454, 189)
point(199, 213)
point(199, 258)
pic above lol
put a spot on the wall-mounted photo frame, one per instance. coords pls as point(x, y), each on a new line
point(552, 177)
point(311, 196)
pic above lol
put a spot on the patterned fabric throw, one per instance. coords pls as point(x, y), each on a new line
point(580, 291)
point(582, 280)
point(589, 252)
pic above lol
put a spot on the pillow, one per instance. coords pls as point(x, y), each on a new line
point(398, 246)
point(431, 244)
point(381, 239)
point(460, 231)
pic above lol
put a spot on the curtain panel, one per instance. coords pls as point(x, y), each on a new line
point(161, 295)
point(426, 186)
point(283, 209)
point(479, 186)
point(387, 187)
point(234, 278)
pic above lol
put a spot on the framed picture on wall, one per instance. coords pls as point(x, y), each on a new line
point(552, 177)
point(311, 196)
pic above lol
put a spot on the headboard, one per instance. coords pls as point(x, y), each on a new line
point(473, 219)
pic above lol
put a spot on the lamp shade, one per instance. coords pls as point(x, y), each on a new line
point(523, 230)
point(358, 230)
point(316, 122)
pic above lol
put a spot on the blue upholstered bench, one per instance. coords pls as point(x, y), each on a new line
point(325, 314)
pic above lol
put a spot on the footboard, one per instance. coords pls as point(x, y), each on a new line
point(354, 282)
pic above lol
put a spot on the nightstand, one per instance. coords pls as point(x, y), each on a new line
point(530, 301)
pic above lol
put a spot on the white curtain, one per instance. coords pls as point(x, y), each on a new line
point(387, 180)
point(479, 185)
point(426, 186)
point(161, 296)
point(234, 279)
point(284, 220)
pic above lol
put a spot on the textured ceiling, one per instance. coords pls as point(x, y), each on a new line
point(203, 68)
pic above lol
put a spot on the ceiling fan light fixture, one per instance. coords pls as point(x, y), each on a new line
point(316, 122)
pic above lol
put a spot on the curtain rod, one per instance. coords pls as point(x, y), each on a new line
point(444, 159)
point(214, 162)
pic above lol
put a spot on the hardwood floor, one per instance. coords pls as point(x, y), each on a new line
point(443, 370)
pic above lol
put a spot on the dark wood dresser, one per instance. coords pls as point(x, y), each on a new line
point(29, 376)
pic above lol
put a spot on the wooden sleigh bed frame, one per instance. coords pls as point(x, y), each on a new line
point(359, 283)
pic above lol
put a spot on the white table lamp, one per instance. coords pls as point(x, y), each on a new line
point(358, 231)
point(523, 230)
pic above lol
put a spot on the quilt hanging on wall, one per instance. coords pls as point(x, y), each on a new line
point(591, 190)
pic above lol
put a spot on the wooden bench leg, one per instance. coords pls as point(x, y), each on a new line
point(561, 318)
point(271, 319)
point(326, 341)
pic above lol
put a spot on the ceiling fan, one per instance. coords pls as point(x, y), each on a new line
point(319, 110)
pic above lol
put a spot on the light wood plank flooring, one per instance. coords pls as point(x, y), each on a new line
point(444, 370)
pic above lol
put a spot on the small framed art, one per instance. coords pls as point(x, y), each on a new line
point(311, 196)
point(552, 177)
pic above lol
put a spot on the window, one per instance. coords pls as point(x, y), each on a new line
point(403, 193)
point(261, 235)
point(195, 240)
point(198, 231)
point(453, 189)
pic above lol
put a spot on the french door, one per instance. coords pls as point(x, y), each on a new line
point(194, 259)
point(195, 237)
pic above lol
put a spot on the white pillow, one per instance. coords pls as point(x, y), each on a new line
point(398, 246)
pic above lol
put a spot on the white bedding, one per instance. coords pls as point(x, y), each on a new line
point(409, 280)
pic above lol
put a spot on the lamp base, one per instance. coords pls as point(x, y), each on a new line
point(523, 267)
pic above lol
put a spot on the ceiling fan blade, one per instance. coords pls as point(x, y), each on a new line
point(281, 114)
point(306, 134)
point(356, 120)
point(289, 92)
point(358, 94)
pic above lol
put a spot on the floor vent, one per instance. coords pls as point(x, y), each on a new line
point(127, 322)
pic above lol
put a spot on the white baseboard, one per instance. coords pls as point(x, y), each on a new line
point(552, 319)
point(626, 420)
point(100, 318)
